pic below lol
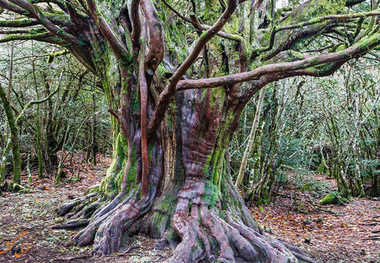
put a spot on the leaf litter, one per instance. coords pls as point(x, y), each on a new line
point(26, 220)
point(346, 233)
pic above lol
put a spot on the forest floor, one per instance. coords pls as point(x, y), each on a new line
point(26, 220)
point(332, 233)
point(345, 233)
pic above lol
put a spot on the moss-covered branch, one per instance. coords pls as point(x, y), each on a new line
point(329, 17)
point(345, 17)
point(169, 91)
point(303, 62)
point(33, 102)
point(37, 14)
point(18, 23)
point(45, 37)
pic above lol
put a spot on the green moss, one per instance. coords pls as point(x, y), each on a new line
point(94, 189)
point(334, 198)
point(160, 216)
point(132, 175)
point(166, 204)
point(17, 23)
point(111, 184)
point(212, 194)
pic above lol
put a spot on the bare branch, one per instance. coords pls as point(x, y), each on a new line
point(203, 27)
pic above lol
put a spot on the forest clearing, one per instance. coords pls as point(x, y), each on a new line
point(190, 131)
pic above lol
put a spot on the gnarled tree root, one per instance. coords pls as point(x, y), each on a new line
point(65, 209)
point(107, 224)
point(209, 235)
point(207, 231)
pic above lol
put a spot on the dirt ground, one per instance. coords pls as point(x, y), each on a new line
point(343, 233)
point(29, 216)
point(346, 233)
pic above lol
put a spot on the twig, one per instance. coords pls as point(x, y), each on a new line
point(127, 251)
point(69, 259)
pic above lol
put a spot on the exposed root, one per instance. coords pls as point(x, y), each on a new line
point(209, 229)
point(298, 253)
point(73, 224)
point(69, 207)
point(108, 236)
point(107, 225)
point(86, 236)
point(211, 235)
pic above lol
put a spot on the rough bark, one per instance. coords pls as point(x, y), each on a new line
point(194, 207)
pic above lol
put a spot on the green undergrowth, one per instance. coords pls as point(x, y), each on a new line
point(335, 198)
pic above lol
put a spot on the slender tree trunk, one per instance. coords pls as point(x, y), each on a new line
point(39, 144)
point(13, 137)
point(251, 139)
point(10, 72)
point(38, 126)
point(93, 130)
point(4, 161)
point(51, 141)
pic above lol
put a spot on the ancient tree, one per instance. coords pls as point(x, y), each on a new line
point(177, 75)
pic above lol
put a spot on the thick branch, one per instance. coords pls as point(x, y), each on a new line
point(6, 5)
point(167, 94)
point(156, 38)
point(136, 24)
point(116, 44)
point(351, 52)
point(330, 17)
point(144, 125)
point(39, 16)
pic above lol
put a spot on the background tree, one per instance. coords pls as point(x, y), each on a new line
point(49, 99)
point(324, 126)
point(172, 78)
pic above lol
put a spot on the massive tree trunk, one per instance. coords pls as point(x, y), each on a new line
point(190, 198)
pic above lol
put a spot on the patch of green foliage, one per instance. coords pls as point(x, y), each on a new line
point(334, 198)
